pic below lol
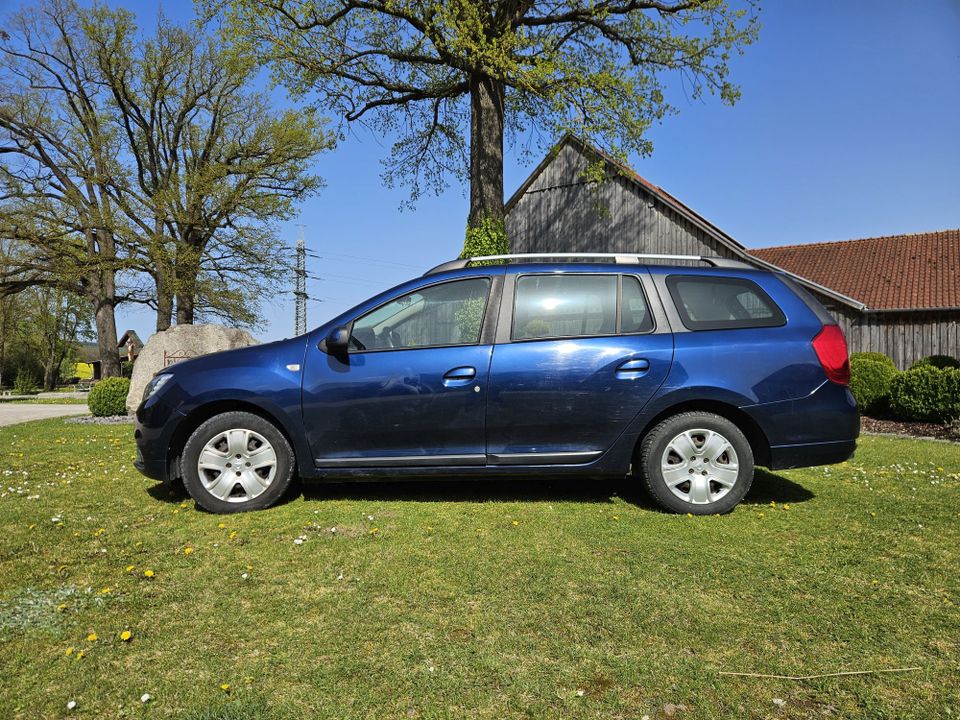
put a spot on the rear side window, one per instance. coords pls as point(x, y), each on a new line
point(714, 303)
point(635, 315)
point(551, 306)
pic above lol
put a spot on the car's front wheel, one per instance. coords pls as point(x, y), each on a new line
point(237, 461)
point(697, 462)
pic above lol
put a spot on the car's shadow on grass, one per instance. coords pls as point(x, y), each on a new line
point(767, 487)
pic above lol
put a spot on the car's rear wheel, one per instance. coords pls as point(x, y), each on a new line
point(237, 461)
point(697, 462)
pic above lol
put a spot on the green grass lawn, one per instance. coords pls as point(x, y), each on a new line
point(518, 599)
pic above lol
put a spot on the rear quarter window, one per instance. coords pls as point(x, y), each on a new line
point(718, 303)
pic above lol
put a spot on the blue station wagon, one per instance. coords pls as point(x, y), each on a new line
point(682, 376)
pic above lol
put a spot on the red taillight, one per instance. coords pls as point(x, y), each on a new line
point(831, 349)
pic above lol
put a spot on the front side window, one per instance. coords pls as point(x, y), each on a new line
point(447, 314)
point(551, 306)
point(716, 303)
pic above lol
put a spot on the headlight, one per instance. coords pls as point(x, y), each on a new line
point(158, 382)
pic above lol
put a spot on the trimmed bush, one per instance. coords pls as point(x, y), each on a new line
point(937, 361)
point(875, 356)
point(109, 397)
point(870, 384)
point(926, 394)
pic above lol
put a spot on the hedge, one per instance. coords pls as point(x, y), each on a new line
point(875, 356)
point(937, 361)
point(870, 384)
point(109, 397)
point(926, 394)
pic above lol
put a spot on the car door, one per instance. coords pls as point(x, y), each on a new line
point(411, 390)
point(581, 356)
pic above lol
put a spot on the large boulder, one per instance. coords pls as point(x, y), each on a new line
point(180, 342)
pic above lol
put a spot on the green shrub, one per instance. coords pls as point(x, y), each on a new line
point(488, 237)
point(25, 383)
point(926, 394)
point(937, 361)
point(875, 356)
point(109, 397)
point(870, 384)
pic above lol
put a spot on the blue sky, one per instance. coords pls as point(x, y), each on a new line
point(849, 126)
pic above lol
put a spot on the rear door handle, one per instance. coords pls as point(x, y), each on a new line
point(459, 376)
point(633, 368)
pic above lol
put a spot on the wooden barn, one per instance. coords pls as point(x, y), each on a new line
point(897, 295)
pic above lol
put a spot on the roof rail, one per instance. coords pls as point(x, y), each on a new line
point(618, 258)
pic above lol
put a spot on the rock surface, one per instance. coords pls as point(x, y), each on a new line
point(181, 342)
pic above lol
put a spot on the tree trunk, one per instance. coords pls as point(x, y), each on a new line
point(51, 374)
point(164, 301)
point(486, 149)
point(187, 270)
point(106, 321)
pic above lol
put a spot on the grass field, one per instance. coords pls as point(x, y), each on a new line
point(475, 600)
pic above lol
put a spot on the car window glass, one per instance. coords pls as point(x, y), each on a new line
point(634, 314)
point(446, 314)
point(564, 306)
point(712, 303)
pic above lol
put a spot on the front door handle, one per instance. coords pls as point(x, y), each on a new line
point(630, 369)
point(459, 376)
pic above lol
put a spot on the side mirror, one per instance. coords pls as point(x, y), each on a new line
point(337, 342)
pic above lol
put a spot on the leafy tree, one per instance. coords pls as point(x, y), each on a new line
point(123, 157)
point(53, 324)
point(214, 166)
point(60, 156)
point(451, 78)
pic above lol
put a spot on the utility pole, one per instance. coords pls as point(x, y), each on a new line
point(300, 308)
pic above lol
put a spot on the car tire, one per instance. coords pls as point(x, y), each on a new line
point(243, 448)
point(696, 462)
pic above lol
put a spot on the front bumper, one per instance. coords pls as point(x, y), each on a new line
point(154, 432)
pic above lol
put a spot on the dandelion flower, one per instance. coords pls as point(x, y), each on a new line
point(187, 550)
point(130, 568)
point(225, 687)
point(61, 607)
point(221, 525)
point(516, 522)
point(80, 655)
point(105, 591)
point(92, 637)
point(148, 573)
point(68, 651)
point(126, 636)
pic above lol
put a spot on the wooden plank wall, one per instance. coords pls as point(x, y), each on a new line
point(561, 212)
point(903, 337)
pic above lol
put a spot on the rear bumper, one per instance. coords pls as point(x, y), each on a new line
point(810, 454)
point(818, 429)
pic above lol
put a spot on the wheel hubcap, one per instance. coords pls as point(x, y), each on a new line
point(699, 466)
point(237, 465)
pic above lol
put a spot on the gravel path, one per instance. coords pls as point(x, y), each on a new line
point(13, 414)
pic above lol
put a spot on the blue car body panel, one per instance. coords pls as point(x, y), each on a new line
point(553, 406)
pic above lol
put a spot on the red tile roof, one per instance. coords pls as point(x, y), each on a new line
point(920, 271)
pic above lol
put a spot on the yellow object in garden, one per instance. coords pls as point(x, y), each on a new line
point(83, 371)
